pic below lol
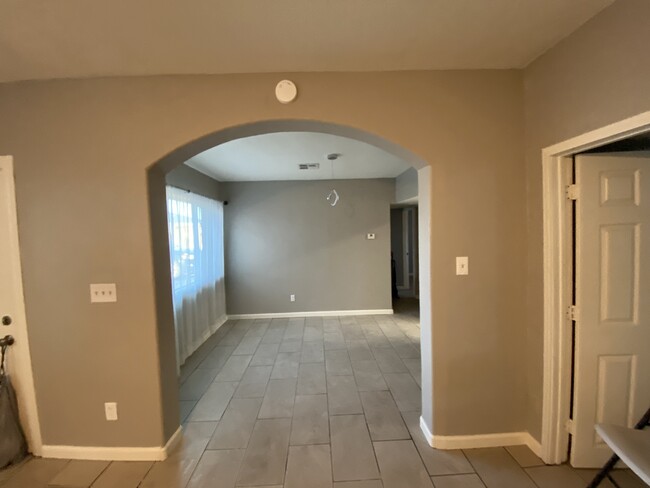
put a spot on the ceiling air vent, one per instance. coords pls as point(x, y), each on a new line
point(309, 166)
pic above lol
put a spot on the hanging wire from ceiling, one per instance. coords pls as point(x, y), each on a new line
point(333, 196)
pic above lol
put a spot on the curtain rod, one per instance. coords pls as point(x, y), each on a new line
point(225, 202)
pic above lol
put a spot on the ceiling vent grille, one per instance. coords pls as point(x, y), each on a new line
point(309, 166)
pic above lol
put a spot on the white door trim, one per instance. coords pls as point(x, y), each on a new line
point(557, 281)
point(27, 400)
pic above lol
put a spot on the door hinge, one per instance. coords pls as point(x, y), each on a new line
point(572, 313)
point(568, 425)
point(572, 192)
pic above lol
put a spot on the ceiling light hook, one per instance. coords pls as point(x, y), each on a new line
point(333, 198)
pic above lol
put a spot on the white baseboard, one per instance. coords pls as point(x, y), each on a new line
point(113, 453)
point(481, 440)
point(534, 445)
point(326, 313)
point(427, 433)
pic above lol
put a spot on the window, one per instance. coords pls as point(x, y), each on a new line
point(197, 267)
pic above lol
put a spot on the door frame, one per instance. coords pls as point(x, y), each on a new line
point(557, 244)
point(27, 393)
point(406, 245)
point(409, 239)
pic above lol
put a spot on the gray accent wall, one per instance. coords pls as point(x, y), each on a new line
point(406, 186)
point(284, 238)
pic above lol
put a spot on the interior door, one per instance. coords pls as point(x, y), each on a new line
point(612, 341)
point(12, 308)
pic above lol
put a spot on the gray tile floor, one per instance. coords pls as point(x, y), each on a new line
point(308, 402)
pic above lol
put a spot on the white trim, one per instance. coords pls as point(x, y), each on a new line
point(114, 453)
point(480, 440)
point(425, 430)
point(326, 313)
point(446, 442)
point(23, 374)
point(173, 441)
point(557, 345)
point(533, 444)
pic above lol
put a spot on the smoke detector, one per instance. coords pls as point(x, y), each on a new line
point(286, 91)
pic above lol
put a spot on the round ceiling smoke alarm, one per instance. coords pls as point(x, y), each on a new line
point(286, 91)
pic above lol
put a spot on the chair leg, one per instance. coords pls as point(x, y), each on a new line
point(613, 481)
point(604, 472)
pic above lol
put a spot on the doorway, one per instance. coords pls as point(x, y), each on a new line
point(593, 379)
point(12, 309)
point(161, 261)
point(404, 258)
point(611, 373)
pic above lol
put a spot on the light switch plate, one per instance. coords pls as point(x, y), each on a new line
point(462, 265)
point(110, 409)
point(103, 292)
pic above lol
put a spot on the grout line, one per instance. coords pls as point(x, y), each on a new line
point(147, 473)
point(370, 321)
point(474, 468)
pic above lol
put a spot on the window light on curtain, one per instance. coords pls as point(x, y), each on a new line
point(195, 226)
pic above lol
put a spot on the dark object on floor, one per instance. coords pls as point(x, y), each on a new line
point(13, 446)
point(609, 465)
point(393, 276)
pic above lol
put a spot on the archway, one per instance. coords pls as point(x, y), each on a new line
point(164, 310)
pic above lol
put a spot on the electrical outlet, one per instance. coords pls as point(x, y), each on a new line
point(103, 292)
point(110, 409)
point(370, 236)
point(292, 298)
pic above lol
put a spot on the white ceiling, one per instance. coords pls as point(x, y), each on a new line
point(275, 157)
point(41, 39)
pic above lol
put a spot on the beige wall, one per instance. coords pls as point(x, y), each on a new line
point(81, 152)
point(283, 238)
point(599, 75)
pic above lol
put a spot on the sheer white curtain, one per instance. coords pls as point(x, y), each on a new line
point(196, 248)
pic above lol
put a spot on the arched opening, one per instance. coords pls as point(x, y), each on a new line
point(161, 256)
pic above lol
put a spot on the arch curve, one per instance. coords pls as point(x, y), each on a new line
point(162, 277)
point(210, 140)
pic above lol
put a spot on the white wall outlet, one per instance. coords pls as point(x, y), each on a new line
point(110, 409)
point(292, 298)
point(462, 265)
point(103, 292)
point(370, 236)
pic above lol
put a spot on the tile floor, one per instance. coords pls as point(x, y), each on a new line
point(308, 403)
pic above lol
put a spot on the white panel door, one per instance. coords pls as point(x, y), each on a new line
point(19, 364)
point(612, 344)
